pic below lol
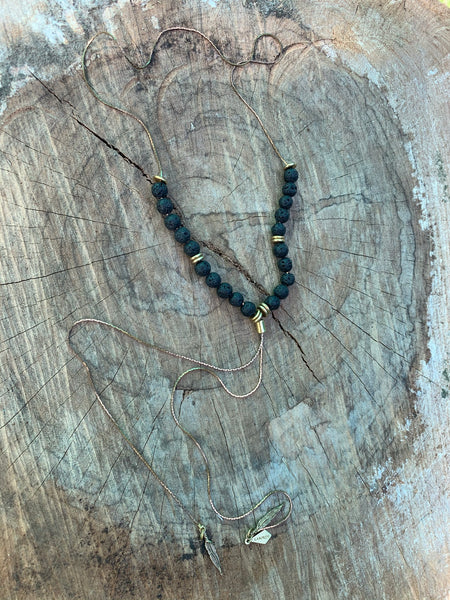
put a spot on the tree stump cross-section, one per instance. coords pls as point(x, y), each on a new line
point(350, 418)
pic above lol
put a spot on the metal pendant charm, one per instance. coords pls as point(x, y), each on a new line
point(261, 538)
point(210, 548)
point(259, 534)
point(212, 553)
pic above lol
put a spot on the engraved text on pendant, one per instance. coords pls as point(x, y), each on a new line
point(262, 537)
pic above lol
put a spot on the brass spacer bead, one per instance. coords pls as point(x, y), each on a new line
point(260, 328)
point(258, 316)
point(265, 310)
point(290, 165)
point(277, 238)
point(197, 258)
point(159, 178)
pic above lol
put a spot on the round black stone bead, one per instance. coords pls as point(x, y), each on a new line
point(182, 235)
point(285, 264)
point(213, 280)
point(290, 175)
point(159, 189)
point(280, 250)
point(282, 291)
point(289, 189)
point(273, 302)
point(203, 268)
point(225, 290)
point(287, 278)
point(172, 222)
point(285, 201)
point(278, 229)
point(236, 299)
point(248, 309)
point(192, 248)
point(164, 206)
point(282, 215)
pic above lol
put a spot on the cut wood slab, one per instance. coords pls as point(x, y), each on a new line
point(351, 418)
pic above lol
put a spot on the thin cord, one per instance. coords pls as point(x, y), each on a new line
point(233, 64)
point(258, 118)
point(209, 368)
point(205, 458)
point(265, 522)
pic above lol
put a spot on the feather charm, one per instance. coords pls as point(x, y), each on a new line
point(210, 548)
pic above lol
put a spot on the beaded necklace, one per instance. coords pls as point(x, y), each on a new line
point(213, 280)
point(259, 533)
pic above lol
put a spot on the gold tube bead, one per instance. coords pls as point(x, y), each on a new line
point(289, 166)
point(159, 178)
point(197, 258)
point(264, 309)
point(258, 316)
point(260, 328)
point(277, 238)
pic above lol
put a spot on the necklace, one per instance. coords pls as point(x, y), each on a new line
point(260, 532)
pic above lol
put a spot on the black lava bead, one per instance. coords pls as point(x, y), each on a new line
point(213, 280)
point(280, 250)
point(289, 189)
point(282, 215)
point(285, 264)
point(182, 235)
point(159, 189)
point(172, 222)
point(287, 278)
point(192, 248)
point(248, 309)
point(282, 291)
point(225, 290)
point(278, 229)
point(203, 268)
point(290, 175)
point(285, 201)
point(273, 302)
point(164, 206)
point(236, 299)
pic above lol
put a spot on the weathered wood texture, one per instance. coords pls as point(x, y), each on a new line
point(351, 417)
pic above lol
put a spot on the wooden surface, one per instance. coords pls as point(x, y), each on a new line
point(352, 415)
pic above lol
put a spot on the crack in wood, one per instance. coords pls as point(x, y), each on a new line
point(67, 269)
point(238, 266)
point(297, 343)
point(78, 120)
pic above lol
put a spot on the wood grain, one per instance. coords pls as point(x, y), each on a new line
point(351, 417)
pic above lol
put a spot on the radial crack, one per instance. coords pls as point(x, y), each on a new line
point(233, 261)
point(78, 120)
point(297, 343)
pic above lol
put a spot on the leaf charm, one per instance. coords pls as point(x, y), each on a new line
point(269, 516)
point(255, 533)
point(210, 548)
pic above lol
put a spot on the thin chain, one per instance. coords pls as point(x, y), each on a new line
point(113, 420)
point(176, 355)
point(258, 118)
point(205, 458)
point(207, 367)
point(201, 365)
point(233, 64)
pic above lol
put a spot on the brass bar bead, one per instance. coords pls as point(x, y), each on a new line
point(289, 166)
point(264, 309)
point(278, 238)
point(159, 178)
point(260, 328)
point(197, 258)
point(258, 316)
